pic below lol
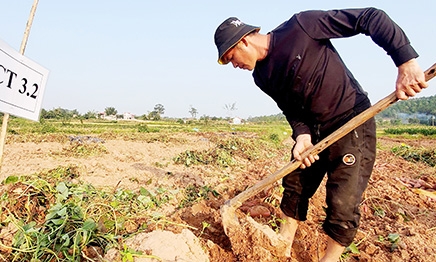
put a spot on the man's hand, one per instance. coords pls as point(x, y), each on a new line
point(410, 80)
point(302, 144)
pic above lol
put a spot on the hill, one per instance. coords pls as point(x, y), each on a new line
point(422, 109)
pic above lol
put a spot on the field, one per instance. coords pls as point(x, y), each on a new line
point(151, 191)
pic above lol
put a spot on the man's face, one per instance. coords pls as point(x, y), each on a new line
point(241, 56)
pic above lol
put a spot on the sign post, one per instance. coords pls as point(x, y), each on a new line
point(22, 83)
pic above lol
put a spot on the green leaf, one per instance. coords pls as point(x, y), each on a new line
point(144, 192)
point(115, 203)
point(89, 225)
point(10, 180)
point(109, 224)
point(30, 225)
point(353, 248)
point(161, 190)
point(58, 221)
point(393, 237)
point(65, 240)
point(146, 201)
point(127, 257)
point(76, 213)
point(50, 215)
point(62, 212)
point(61, 187)
point(63, 191)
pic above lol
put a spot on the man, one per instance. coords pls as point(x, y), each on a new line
point(297, 66)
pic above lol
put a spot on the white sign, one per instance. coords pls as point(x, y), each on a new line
point(22, 84)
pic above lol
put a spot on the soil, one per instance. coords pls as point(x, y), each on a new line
point(399, 201)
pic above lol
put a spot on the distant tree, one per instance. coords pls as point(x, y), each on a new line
point(193, 111)
point(423, 105)
point(154, 115)
point(90, 115)
point(206, 119)
point(395, 122)
point(50, 114)
point(215, 118)
point(144, 117)
point(74, 113)
point(268, 119)
point(44, 114)
point(110, 111)
point(413, 120)
point(59, 113)
point(159, 108)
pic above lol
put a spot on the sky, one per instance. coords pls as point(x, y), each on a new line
point(133, 55)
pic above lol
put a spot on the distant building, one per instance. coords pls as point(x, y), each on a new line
point(125, 116)
point(237, 121)
point(102, 115)
point(128, 116)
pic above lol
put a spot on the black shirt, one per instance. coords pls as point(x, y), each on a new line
point(305, 75)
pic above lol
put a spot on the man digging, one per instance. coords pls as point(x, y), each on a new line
point(298, 67)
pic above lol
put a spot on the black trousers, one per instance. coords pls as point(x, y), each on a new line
point(348, 164)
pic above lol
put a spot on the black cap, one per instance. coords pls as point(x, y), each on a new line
point(229, 33)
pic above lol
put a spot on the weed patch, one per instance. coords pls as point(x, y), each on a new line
point(50, 217)
point(193, 194)
point(423, 155)
point(83, 150)
point(225, 152)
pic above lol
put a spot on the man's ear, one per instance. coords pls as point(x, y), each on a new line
point(244, 41)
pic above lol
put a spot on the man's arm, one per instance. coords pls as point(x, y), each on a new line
point(382, 30)
point(372, 22)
